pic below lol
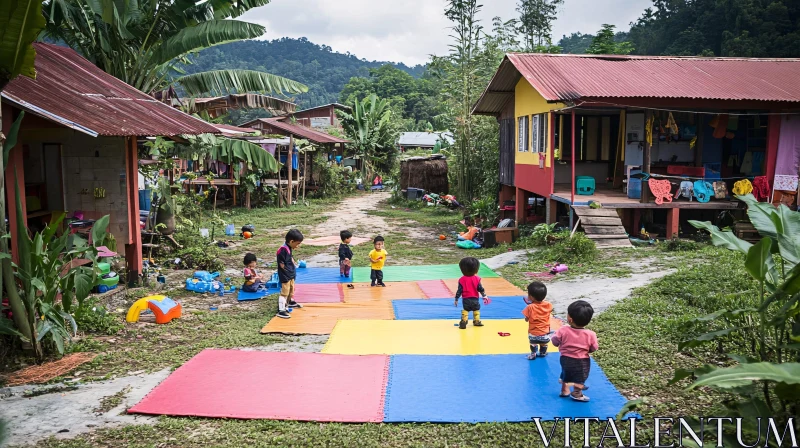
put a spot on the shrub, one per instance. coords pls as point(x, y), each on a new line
point(570, 250)
point(91, 317)
point(678, 245)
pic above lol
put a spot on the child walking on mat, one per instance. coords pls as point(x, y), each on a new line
point(287, 273)
point(252, 281)
point(377, 258)
point(575, 343)
point(537, 315)
point(345, 253)
point(469, 286)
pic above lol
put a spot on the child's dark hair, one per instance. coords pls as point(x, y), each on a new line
point(468, 221)
point(537, 291)
point(249, 258)
point(294, 235)
point(581, 312)
point(345, 234)
point(469, 266)
point(378, 239)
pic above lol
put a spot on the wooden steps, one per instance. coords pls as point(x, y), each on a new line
point(603, 226)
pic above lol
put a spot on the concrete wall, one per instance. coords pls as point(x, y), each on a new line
point(89, 163)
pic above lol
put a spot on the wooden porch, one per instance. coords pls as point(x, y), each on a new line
point(615, 198)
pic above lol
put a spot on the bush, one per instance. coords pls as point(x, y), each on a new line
point(333, 180)
point(91, 317)
point(677, 245)
point(570, 250)
point(200, 257)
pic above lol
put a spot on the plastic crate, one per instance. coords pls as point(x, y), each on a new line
point(680, 170)
point(415, 193)
point(584, 185)
point(713, 171)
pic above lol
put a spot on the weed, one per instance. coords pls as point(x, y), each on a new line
point(92, 317)
point(110, 402)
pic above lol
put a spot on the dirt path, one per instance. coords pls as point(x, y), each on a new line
point(352, 213)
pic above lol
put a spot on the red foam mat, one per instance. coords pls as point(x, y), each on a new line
point(435, 289)
point(278, 386)
point(318, 293)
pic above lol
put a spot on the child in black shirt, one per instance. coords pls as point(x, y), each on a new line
point(287, 273)
point(345, 253)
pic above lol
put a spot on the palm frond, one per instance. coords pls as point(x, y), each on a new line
point(204, 35)
point(20, 23)
point(223, 82)
point(235, 8)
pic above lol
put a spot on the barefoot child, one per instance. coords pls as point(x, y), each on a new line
point(537, 315)
point(377, 258)
point(287, 273)
point(469, 286)
point(252, 281)
point(345, 253)
point(575, 343)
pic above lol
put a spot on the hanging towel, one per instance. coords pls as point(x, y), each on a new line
point(269, 147)
point(722, 126)
point(703, 191)
point(733, 123)
point(733, 161)
point(761, 188)
point(787, 165)
point(672, 125)
point(742, 187)
point(720, 189)
point(747, 163)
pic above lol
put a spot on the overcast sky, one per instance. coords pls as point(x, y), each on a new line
point(410, 30)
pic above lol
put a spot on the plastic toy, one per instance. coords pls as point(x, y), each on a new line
point(274, 282)
point(467, 244)
point(442, 237)
point(302, 264)
point(503, 334)
point(559, 268)
point(164, 308)
point(703, 191)
point(661, 189)
point(108, 280)
point(205, 275)
point(247, 235)
point(202, 287)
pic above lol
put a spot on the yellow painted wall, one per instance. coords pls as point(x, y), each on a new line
point(527, 101)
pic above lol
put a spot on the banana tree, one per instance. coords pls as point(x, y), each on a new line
point(146, 44)
point(371, 129)
point(767, 378)
point(20, 22)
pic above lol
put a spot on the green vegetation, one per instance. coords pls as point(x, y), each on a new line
point(606, 43)
point(373, 133)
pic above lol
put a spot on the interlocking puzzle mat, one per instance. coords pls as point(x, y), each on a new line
point(320, 275)
point(363, 292)
point(429, 309)
point(435, 289)
point(318, 293)
point(418, 273)
point(321, 318)
point(279, 386)
point(428, 337)
point(494, 287)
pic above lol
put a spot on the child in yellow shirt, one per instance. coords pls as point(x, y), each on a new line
point(377, 258)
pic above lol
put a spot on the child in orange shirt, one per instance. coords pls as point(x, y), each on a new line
point(537, 315)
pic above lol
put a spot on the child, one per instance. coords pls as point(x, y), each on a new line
point(471, 231)
point(378, 258)
point(252, 281)
point(469, 286)
point(287, 273)
point(345, 253)
point(575, 343)
point(537, 315)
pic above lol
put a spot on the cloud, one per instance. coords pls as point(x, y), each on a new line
point(410, 31)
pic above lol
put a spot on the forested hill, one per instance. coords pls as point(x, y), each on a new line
point(317, 66)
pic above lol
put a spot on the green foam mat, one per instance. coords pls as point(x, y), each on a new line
point(419, 273)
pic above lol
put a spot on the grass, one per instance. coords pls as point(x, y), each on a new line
point(110, 402)
point(638, 342)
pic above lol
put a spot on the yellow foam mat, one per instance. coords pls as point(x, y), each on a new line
point(428, 337)
point(494, 287)
point(363, 292)
point(321, 318)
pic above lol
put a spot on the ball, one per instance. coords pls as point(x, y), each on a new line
point(247, 235)
point(442, 237)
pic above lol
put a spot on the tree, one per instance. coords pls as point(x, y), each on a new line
point(20, 23)
point(536, 23)
point(605, 43)
point(145, 43)
point(370, 127)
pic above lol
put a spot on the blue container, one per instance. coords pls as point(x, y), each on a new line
point(713, 171)
point(584, 185)
point(634, 186)
point(145, 199)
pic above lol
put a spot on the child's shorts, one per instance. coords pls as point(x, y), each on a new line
point(575, 370)
point(471, 304)
point(544, 339)
point(287, 289)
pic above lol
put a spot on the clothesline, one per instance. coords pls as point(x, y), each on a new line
point(646, 176)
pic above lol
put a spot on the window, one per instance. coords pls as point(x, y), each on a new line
point(539, 133)
point(523, 134)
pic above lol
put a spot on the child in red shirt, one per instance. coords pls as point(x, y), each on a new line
point(469, 286)
point(537, 315)
point(575, 343)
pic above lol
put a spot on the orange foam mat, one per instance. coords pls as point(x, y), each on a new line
point(320, 318)
point(363, 292)
point(493, 287)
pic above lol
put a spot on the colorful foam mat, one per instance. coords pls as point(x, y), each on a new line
point(418, 273)
point(320, 275)
point(321, 318)
point(494, 287)
point(435, 288)
point(363, 292)
point(318, 293)
point(428, 337)
point(244, 296)
point(500, 388)
point(253, 385)
point(429, 309)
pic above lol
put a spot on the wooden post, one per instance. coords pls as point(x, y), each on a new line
point(551, 150)
point(646, 158)
point(305, 174)
point(280, 188)
point(290, 175)
point(520, 211)
point(133, 250)
point(773, 135)
point(574, 119)
point(673, 223)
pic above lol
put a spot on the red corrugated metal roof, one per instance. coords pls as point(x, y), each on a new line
point(572, 77)
point(228, 129)
point(298, 131)
point(72, 91)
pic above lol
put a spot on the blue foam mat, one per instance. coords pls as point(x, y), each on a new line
point(489, 388)
point(244, 296)
point(509, 307)
point(321, 275)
